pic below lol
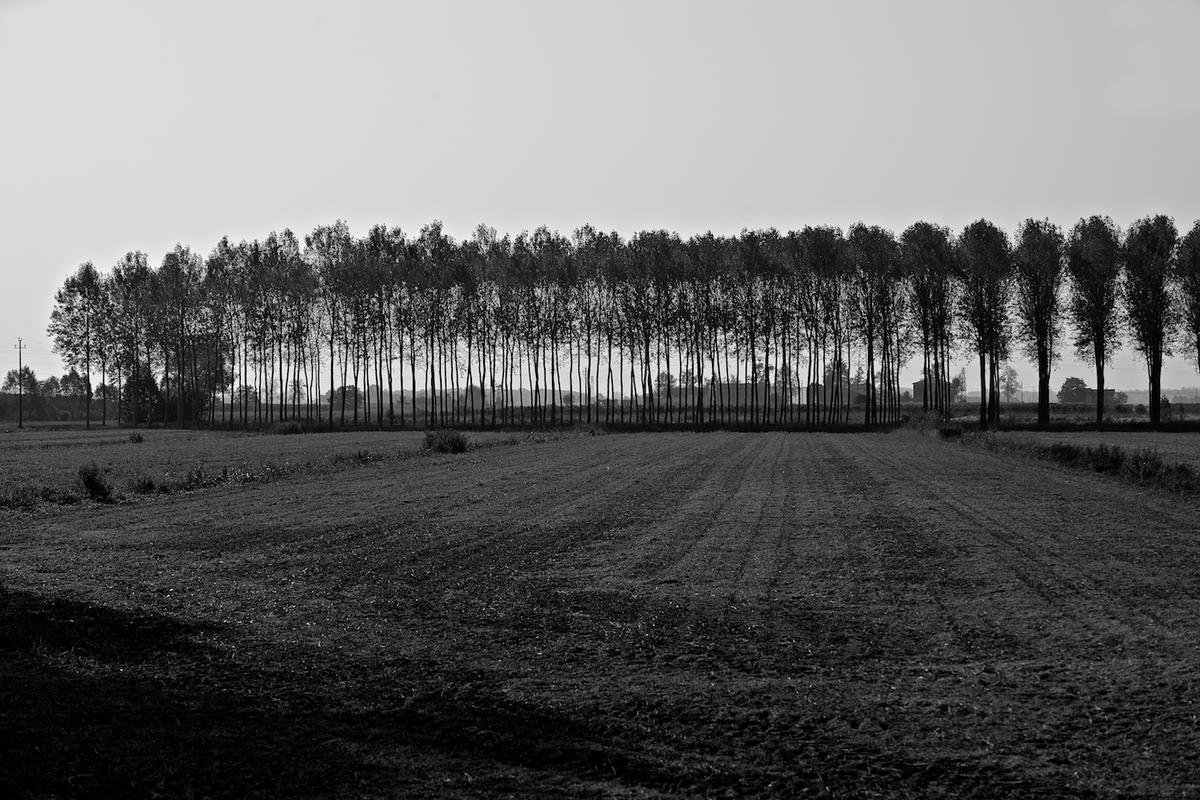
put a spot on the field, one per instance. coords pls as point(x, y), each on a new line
point(639, 615)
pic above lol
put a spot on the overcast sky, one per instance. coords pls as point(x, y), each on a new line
point(136, 125)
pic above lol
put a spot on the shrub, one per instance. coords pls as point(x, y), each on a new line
point(136, 438)
point(95, 483)
point(446, 441)
point(142, 484)
point(1143, 467)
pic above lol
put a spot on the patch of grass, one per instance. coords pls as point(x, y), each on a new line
point(1140, 466)
point(357, 457)
point(94, 482)
point(445, 440)
point(28, 498)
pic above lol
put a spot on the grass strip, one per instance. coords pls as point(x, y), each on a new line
point(1140, 466)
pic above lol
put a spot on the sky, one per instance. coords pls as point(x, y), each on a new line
point(136, 125)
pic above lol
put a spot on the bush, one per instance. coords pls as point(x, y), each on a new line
point(446, 441)
point(95, 483)
point(136, 438)
point(142, 484)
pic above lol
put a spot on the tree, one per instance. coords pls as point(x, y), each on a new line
point(72, 384)
point(1094, 266)
point(27, 383)
point(1187, 272)
point(74, 321)
point(1074, 390)
point(1149, 304)
point(928, 256)
point(1010, 382)
point(985, 265)
point(873, 255)
point(958, 388)
point(130, 299)
point(1038, 267)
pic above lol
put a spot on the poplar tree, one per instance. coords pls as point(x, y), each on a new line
point(1094, 266)
point(1038, 263)
point(1148, 294)
point(74, 323)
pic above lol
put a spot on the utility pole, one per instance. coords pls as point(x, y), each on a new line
point(20, 346)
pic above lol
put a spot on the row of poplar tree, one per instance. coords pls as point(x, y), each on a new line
point(761, 329)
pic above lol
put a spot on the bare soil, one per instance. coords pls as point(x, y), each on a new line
point(657, 615)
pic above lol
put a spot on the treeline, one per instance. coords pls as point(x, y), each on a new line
point(764, 328)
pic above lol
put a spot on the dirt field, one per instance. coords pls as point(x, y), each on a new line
point(658, 615)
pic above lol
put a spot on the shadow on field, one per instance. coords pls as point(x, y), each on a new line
point(98, 702)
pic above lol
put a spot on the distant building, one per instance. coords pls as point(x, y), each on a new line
point(918, 390)
point(845, 394)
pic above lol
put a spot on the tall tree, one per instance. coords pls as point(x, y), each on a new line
point(985, 262)
point(1038, 262)
point(130, 291)
point(74, 323)
point(1187, 271)
point(1148, 293)
point(1094, 266)
point(928, 255)
point(873, 255)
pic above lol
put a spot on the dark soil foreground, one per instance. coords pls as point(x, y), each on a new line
point(624, 616)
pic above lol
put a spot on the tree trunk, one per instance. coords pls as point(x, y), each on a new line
point(983, 393)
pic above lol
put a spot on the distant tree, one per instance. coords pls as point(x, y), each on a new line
point(958, 389)
point(1074, 390)
point(72, 384)
point(1094, 266)
point(1038, 266)
point(1187, 271)
point(27, 382)
point(985, 264)
point(50, 387)
point(1153, 316)
point(1010, 382)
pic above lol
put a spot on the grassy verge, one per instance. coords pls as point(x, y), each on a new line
point(1138, 466)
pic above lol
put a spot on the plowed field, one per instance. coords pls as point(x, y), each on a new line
point(658, 615)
